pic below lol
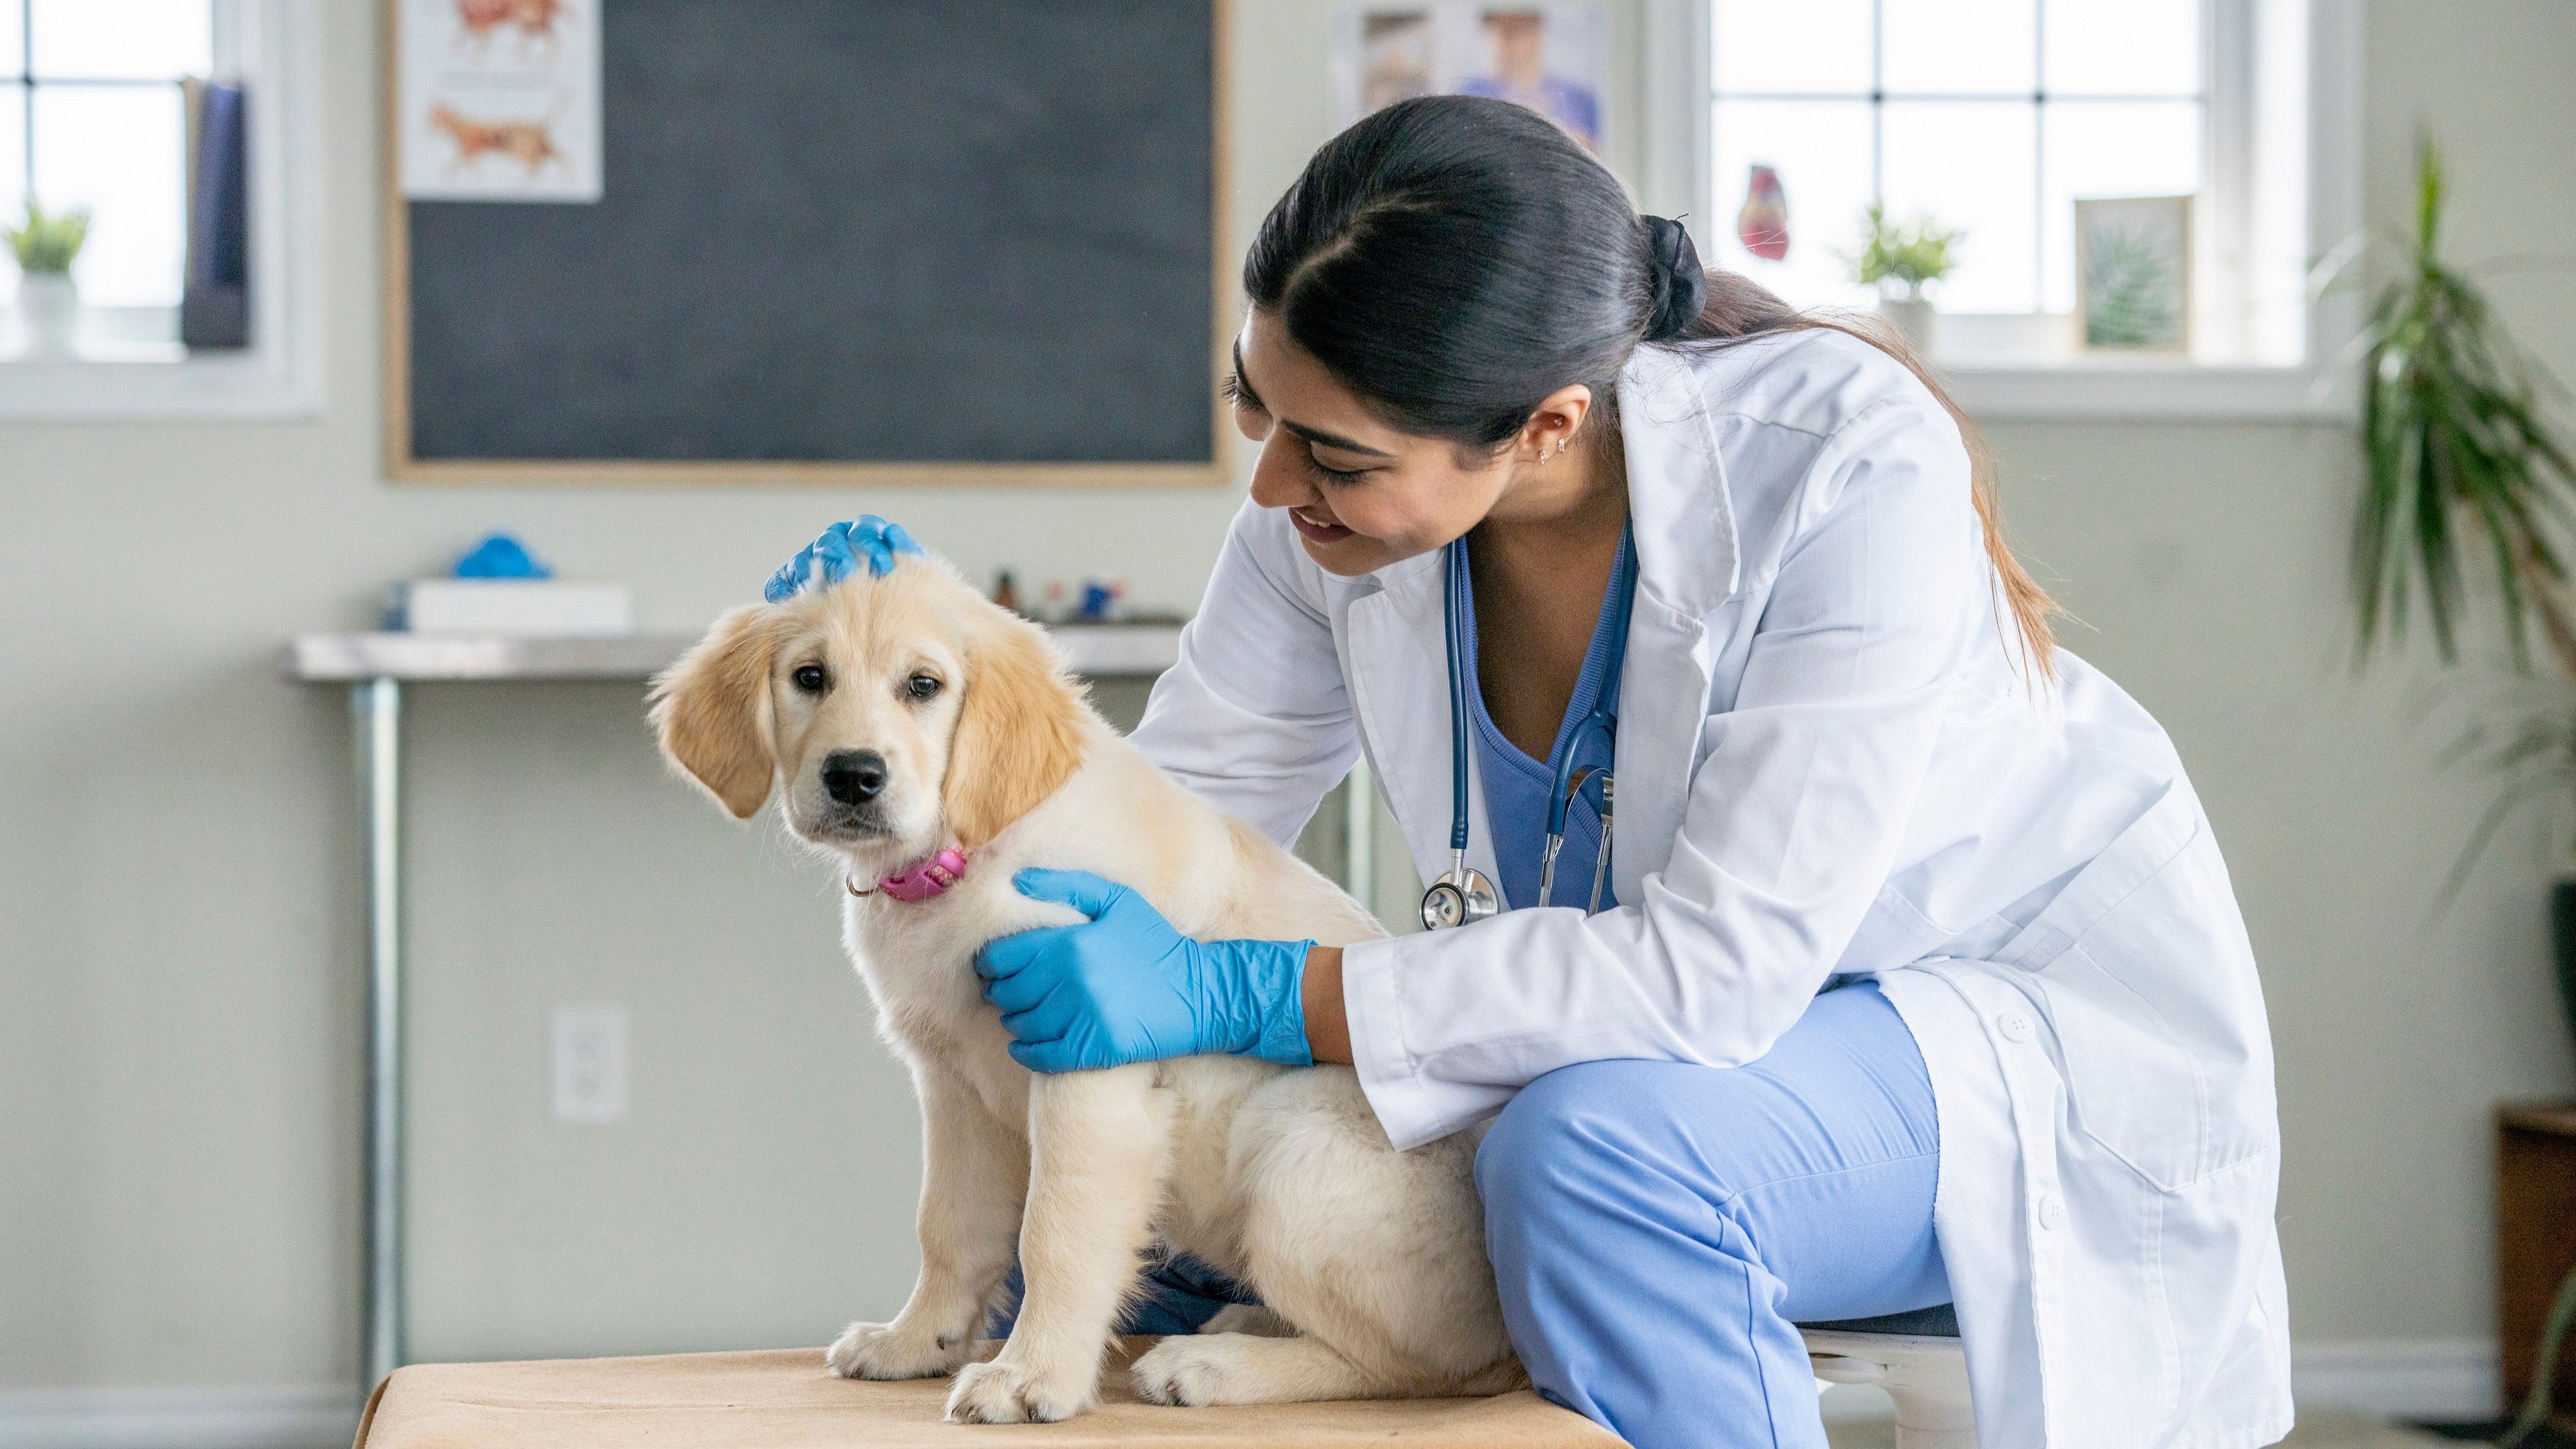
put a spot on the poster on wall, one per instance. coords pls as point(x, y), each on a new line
point(500, 100)
point(1550, 58)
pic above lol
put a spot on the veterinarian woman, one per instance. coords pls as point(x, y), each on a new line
point(1917, 976)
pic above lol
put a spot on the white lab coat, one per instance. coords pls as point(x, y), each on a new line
point(1828, 762)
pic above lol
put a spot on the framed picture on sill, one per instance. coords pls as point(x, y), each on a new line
point(2133, 273)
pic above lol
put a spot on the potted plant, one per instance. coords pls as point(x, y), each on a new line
point(48, 298)
point(2467, 479)
point(1900, 260)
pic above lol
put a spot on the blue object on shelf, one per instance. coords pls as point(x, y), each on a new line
point(500, 556)
point(214, 299)
point(1098, 600)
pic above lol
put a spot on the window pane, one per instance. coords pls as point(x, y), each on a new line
point(13, 166)
point(1961, 47)
point(118, 151)
point(2123, 47)
point(1814, 45)
point(1820, 151)
point(13, 37)
point(1968, 165)
point(2109, 148)
point(112, 39)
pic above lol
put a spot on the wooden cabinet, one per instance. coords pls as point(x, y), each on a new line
point(2535, 1237)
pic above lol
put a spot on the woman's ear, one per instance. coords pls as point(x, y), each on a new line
point(1019, 733)
point(712, 711)
point(1554, 422)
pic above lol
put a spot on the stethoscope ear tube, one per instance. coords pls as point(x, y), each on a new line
point(1600, 858)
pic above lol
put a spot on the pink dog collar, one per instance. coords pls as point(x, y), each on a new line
point(920, 881)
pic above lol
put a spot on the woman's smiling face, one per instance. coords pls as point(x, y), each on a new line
point(1361, 493)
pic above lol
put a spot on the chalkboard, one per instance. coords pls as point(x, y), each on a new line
point(935, 239)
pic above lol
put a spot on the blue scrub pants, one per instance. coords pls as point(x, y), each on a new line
point(1659, 1229)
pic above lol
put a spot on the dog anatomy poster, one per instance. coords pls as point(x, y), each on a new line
point(500, 100)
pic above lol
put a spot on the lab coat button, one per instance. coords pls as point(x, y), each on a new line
point(2016, 1027)
point(2052, 1211)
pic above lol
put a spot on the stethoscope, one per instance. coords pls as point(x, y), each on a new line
point(1463, 894)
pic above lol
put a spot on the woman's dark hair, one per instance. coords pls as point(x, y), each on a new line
point(1456, 259)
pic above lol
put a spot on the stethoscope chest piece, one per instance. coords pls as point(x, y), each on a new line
point(1462, 895)
point(1458, 897)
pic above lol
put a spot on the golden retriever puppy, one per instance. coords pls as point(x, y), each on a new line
point(905, 715)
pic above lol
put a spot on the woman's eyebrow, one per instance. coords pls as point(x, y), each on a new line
point(1244, 389)
point(1322, 439)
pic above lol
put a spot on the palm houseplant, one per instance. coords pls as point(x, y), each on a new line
point(2469, 486)
point(46, 244)
point(2467, 483)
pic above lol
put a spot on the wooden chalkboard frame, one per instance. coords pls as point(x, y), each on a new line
point(403, 465)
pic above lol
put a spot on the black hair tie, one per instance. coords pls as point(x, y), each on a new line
point(1680, 283)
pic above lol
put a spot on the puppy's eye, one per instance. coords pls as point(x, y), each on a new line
point(811, 678)
point(921, 686)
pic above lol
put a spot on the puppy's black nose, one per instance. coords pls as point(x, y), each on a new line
point(854, 776)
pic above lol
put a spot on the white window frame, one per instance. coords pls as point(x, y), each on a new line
point(1675, 177)
point(275, 46)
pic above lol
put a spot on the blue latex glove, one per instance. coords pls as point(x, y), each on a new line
point(1125, 987)
point(836, 555)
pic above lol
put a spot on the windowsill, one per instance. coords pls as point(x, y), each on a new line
point(144, 383)
point(143, 335)
point(2032, 369)
point(127, 362)
point(2174, 391)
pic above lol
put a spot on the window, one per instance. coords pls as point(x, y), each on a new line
point(1985, 115)
point(1994, 119)
point(92, 114)
point(94, 117)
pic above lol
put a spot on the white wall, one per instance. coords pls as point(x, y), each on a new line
point(180, 946)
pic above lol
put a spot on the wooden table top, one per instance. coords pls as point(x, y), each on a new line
point(2556, 1119)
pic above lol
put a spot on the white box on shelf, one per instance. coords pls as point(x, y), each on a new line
point(547, 607)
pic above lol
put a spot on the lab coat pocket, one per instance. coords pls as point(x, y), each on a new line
point(2131, 1086)
point(2163, 1068)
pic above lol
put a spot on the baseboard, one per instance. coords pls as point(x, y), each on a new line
point(2405, 1378)
point(178, 1418)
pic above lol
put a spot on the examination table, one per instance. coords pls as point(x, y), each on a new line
point(785, 1398)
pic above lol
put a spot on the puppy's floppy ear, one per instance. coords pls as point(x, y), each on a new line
point(713, 714)
point(1019, 733)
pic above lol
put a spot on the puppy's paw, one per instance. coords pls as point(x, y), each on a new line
point(1257, 1319)
point(1201, 1370)
point(1004, 1392)
point(895, 1351)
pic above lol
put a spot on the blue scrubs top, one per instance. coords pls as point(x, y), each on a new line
point(1516, 786)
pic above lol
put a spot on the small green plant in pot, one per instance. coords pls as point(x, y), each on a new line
point(1901, 259)
point(2468, 483)
point(47, 243)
